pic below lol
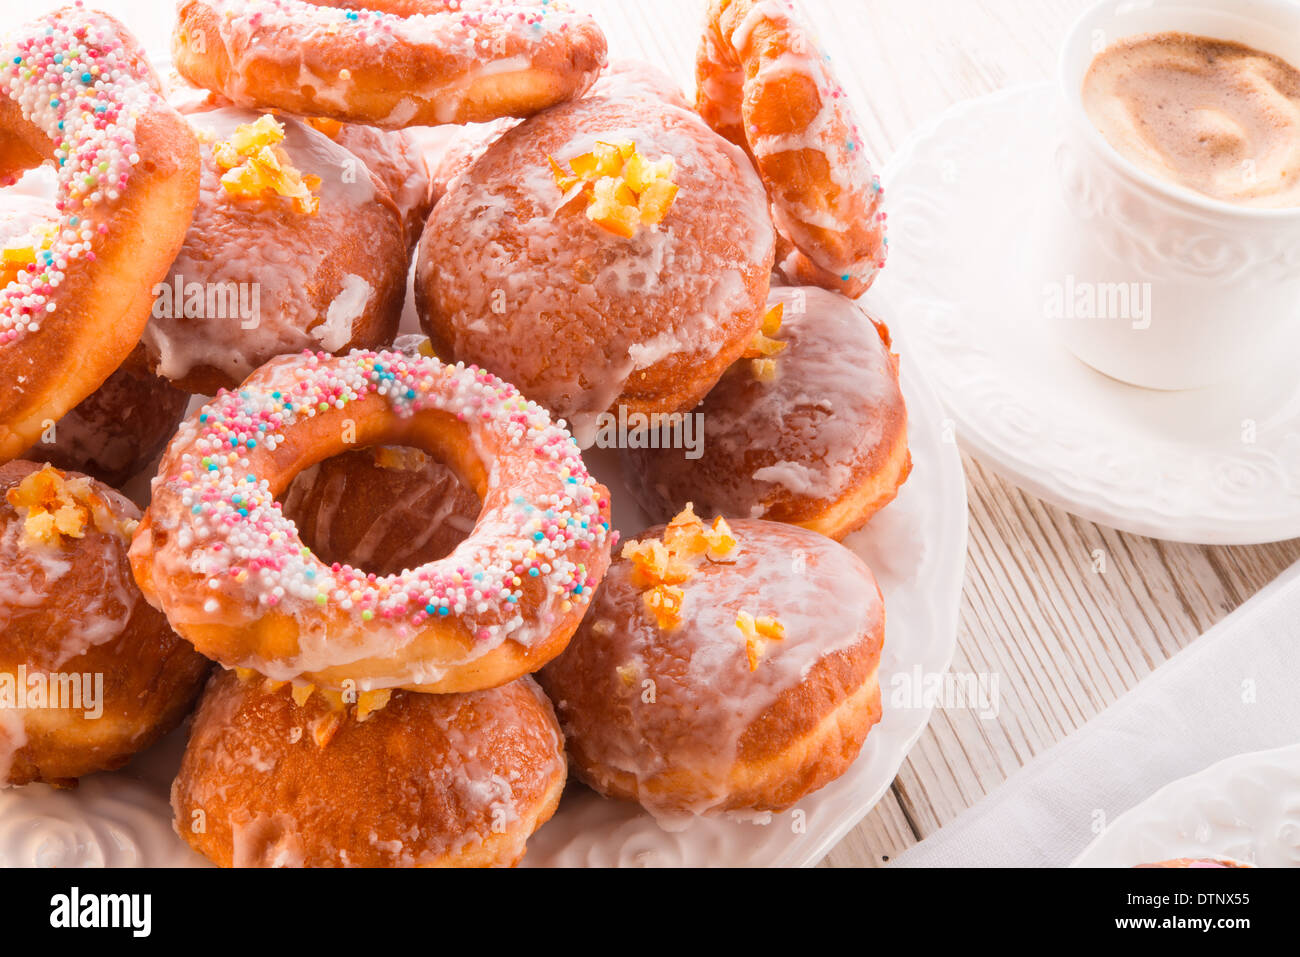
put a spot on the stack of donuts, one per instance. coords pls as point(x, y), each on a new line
point(377, 561)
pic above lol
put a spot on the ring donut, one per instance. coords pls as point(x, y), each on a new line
point(217, 554)
point(398, 63)
point(764, 85)
point(76, 92)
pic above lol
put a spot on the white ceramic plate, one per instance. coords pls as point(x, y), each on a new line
point(970, 197)
point(1246, 808)
point(917, 549)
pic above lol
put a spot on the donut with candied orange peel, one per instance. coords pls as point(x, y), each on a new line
point(722, 668)
point(394, 64)
point(764, 85)
point(75, 92)
point(216, 553)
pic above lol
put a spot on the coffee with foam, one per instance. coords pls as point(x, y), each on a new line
point(1212, 116)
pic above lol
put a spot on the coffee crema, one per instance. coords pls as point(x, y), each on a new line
point(1216, 117)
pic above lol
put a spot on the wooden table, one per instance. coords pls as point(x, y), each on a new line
point(1065, 641)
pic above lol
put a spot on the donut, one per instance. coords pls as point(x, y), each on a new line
point(588, 294)
point(89, 673)
point(403, 508)
point(76, 92)
point(396, 63)
point(814, 433)
point(764, 84)
point(311, 255)
point(217, 554)
point(722, 668)
point(273, 777)
point(119, 429)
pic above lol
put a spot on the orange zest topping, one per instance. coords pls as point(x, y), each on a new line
point(55, 507)
point(256, 166)
point(658, 566)
point(323, 124)
point(762, 348)
point(665, 603)
point(758, 632)
point(625, 191)
point(369, 702)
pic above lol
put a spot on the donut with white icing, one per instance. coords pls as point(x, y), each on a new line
point(382, 509)
point(695, 715)
point(217, 554)
point(764, 84)
point(459, 780)
point(814, 435)
point(75, 92)
point(260, 275)
point(514, 275)
point(89, 673)
point(390, 63)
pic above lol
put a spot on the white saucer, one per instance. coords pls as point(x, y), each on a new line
point(970, 198)
point(1246, 808)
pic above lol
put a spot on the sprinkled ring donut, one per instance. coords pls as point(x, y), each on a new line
point(764, 85)
point(397, 63)
point(216, 553)
point(76, 92)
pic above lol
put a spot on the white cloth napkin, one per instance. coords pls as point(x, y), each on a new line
point(1235, 689)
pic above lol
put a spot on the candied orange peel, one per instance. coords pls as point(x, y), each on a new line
point(660, 565)
point(758, 631)
point(257, 165)
point(54, 507)
point(763, 349)
point(625, 191)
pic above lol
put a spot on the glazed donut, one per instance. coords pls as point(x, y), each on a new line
point(396, 63)
point(270, 270)
point(589, 303)
point(119, 429)
point(216, 553)
point(764, 85)
point(76, 92)
point(722, 669)
point(89, 673)
point(814, 434)
point(404, 508)
point(427, 781)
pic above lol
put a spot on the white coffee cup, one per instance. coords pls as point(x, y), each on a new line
point(1222, 281)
